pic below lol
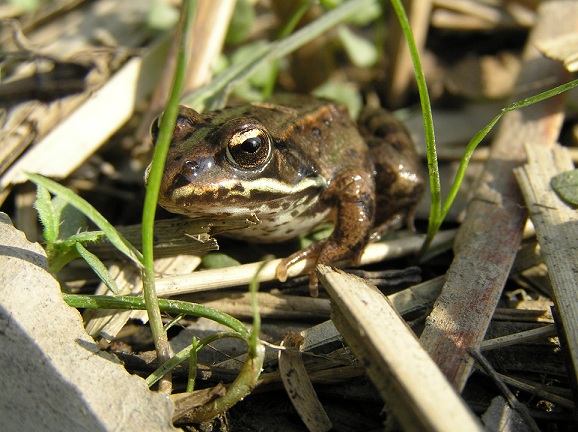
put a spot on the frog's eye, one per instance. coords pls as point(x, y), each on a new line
point(249, 148)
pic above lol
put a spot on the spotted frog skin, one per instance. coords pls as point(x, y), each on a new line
point(294, 162)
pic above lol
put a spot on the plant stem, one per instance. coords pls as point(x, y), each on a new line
point(248, 376)
point(165, 305)
point(432, 160)
point(153, 186)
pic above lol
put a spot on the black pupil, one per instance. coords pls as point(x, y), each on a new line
point(251, 145)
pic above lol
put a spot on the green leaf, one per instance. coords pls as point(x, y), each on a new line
point(71, 220)
point(361, 52)
point(260, 75)
point(566, 186)
point(366, 15)
point(343, 93)
point(98, 267)
point(99, 220)
point(219, 260)
point(47, 214)
point(26, 5)
point(162, 15)
point(86, 237)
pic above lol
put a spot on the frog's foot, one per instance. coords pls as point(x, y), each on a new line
point(313, 252)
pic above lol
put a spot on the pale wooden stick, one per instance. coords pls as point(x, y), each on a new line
point(241, 275)
point(557, 230)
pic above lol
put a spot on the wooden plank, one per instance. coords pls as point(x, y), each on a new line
point(556, 226)
point(87, 128)
point(490, 236)
point(402, 371)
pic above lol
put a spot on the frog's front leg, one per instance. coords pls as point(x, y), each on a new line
point(354, 197)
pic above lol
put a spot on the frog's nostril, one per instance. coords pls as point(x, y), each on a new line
point(186, 175)
point(190, 166)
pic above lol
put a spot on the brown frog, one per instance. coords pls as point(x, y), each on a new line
point(294, 162)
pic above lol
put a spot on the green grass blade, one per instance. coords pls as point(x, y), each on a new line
point(193, 365)
point(98, 267)
point(99, 220)
point(541, 96)
point(169, 306)
point(432, 161)
point(480, 135)
point(167, 124)
point(185, 354)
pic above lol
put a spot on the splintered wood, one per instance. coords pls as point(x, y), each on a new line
point(557, 230)
point(404, 374)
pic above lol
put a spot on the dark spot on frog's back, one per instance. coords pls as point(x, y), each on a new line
point(352, 153)
point(316, 132)
point(187, 137)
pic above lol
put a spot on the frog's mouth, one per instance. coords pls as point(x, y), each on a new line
point(234, 197)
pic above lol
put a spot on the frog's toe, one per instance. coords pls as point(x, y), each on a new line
point(313, 285)
point(281, 271)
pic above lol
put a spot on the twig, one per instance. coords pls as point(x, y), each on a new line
point(512, 401)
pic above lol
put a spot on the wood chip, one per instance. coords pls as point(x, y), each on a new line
point(501, 417)
point(88, 128)
point(564, 49)
point(399, 367)
point(557, 230)
point(299, 387)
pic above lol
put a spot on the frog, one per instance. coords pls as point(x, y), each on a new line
point(295, 162)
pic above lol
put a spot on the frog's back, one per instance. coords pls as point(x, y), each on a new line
point(321, 128)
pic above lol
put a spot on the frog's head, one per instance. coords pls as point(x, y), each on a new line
point(227, 163)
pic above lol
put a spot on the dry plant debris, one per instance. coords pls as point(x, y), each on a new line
point(79, 85)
